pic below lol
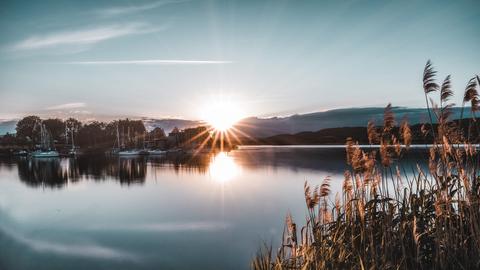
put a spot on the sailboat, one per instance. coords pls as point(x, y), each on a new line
point(121, 150)
point(45, 151)
point(73, 150)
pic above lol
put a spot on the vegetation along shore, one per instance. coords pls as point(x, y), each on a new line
point(388, 217)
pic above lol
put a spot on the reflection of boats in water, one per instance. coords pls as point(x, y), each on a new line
point(20, 153)
point(45, 154)
point(156, 152)
point(131, 169)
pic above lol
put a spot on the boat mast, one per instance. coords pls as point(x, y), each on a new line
point(73, 142)
point(66, 133)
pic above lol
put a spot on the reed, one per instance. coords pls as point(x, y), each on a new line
point(388, 219)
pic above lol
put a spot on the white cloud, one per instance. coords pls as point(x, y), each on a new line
point(67, 106)
point(115, 11)
point(151, 62)
point(83, 36)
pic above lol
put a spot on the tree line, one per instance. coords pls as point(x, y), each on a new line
point(122, 133)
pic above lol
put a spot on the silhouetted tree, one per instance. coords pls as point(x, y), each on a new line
point(157, 133)
point(56, 127)
point(26, 128)
point(92, 134)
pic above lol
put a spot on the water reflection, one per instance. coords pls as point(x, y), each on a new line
point(176, 207)
point(39, 172)
point(223, 168)
point(55, 172)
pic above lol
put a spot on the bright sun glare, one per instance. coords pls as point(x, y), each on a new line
point(222, 115)
point(223, 168)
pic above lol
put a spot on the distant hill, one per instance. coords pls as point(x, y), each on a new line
point(359, 134)
point(7, 126)
point(267, 127)
point(351, 117)
point(169, 124)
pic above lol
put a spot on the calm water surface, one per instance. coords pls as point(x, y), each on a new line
point(207, 212)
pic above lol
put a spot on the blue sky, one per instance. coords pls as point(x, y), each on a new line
point(168, 58)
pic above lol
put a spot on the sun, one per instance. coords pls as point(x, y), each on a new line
point(222, 115)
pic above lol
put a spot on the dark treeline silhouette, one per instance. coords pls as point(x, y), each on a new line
point(124, 133)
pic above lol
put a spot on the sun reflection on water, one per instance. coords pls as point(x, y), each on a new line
point(223, 168)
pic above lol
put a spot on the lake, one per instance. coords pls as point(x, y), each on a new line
point(206, 212)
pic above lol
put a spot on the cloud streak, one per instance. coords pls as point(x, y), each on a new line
point(85, 250)
point(165, 227)
point(67, 106)
point(124, 10)
point(83, 36)
point(151, 62)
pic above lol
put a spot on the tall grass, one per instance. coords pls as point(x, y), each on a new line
point(386, 218)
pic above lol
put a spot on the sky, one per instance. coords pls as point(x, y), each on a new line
point(170, 58)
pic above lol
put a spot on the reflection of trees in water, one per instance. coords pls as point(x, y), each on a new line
point(56, 172)
point(42, 172)
point(128, 170)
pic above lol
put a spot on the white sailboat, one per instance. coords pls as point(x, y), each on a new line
point(45, 151)
point(121, 151)
point(73, 150)
point(132, 152)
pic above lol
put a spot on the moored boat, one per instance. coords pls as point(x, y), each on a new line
point(44, 154)
point(129, 152)
point(44, 150)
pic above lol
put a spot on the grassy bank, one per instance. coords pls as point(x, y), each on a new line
point(386, 217)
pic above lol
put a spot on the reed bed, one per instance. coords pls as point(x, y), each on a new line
point(386, 218)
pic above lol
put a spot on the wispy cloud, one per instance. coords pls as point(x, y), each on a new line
point(165, 227)
point(151, 62)
point(67, 106)
point(123, 10)
point(88, 250)
point(83, 36)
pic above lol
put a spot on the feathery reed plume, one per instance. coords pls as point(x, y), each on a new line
point(445, 109)
point(446, 90)
point(429, 85)
point(406, 133)
point(388, 119)
point(385, 155)
point(470, 95)
point(347, 183)
point(325, 187)
point(372, 133)
point(311, 198)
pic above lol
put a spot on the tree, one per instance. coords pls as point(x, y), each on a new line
point(92, 134)
point(157, 133)
point(56, 127)
point(73, 123)
point(26, 128)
